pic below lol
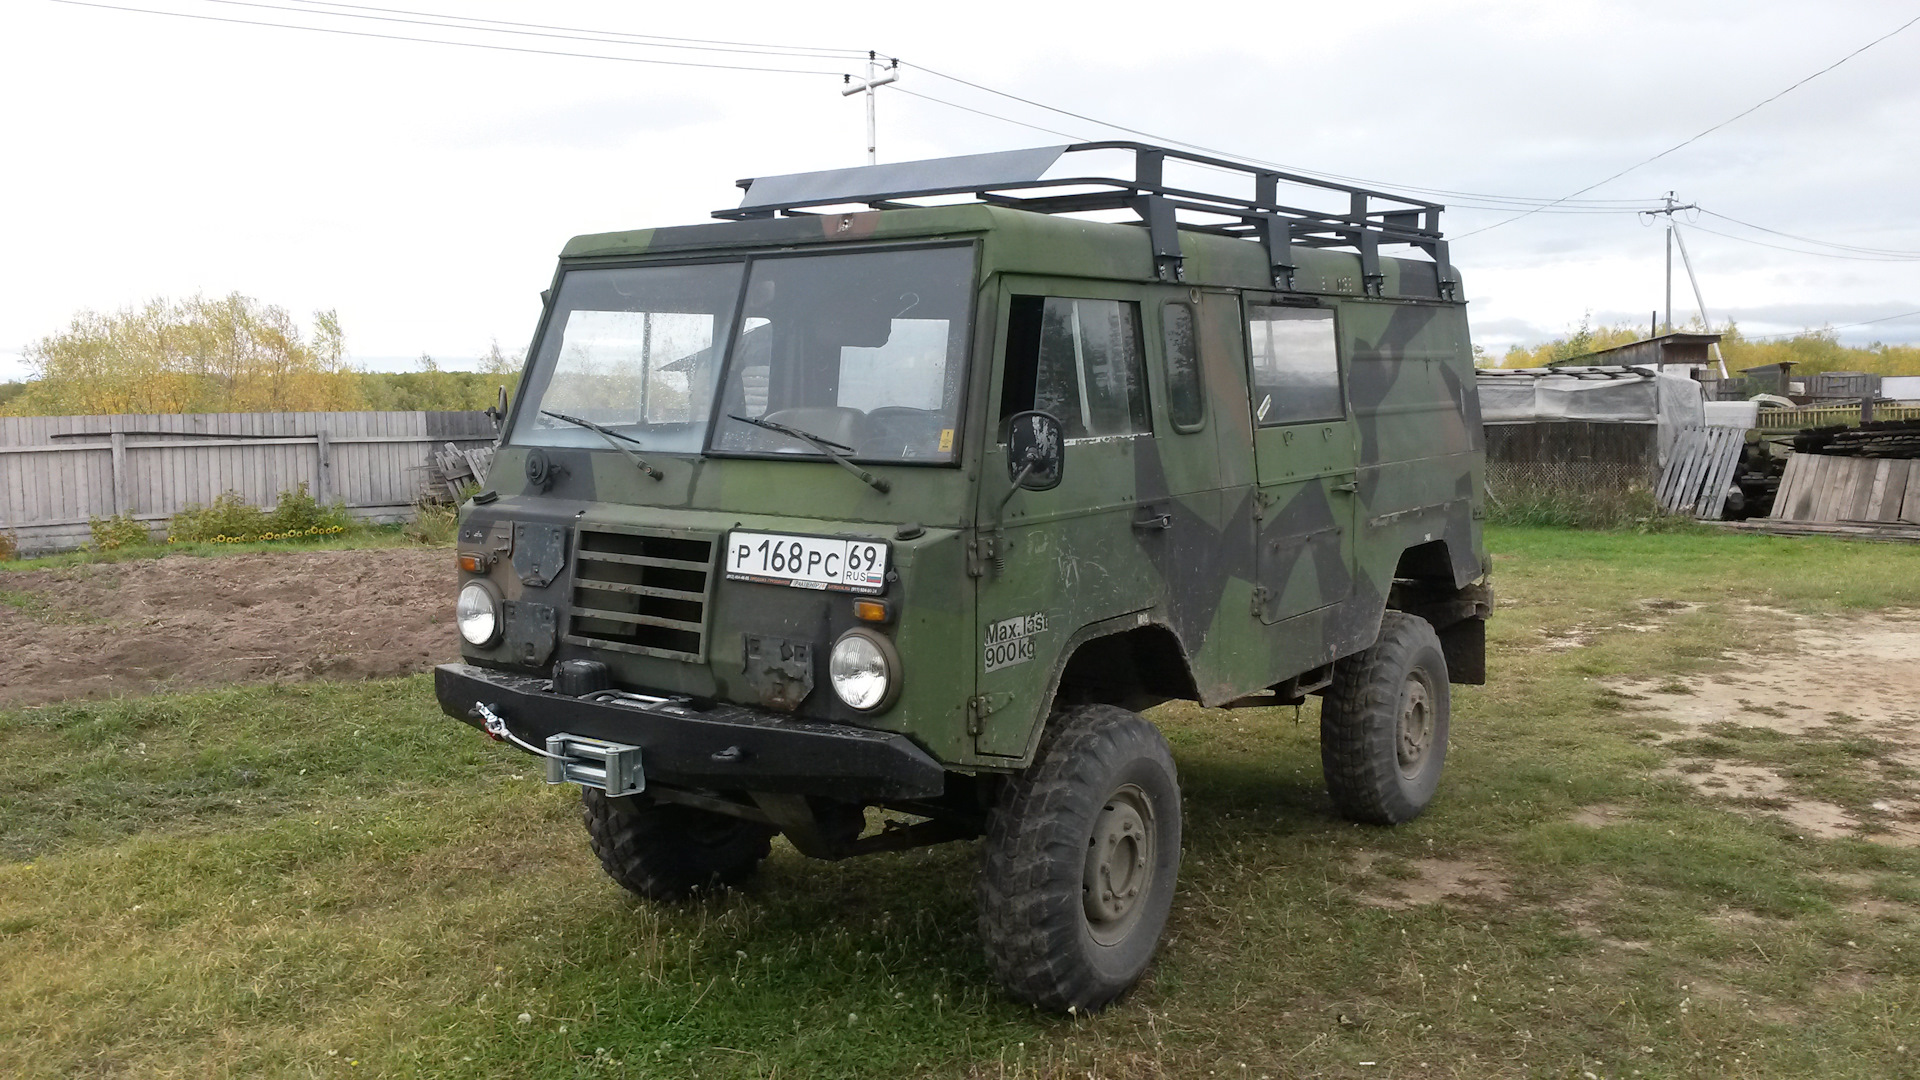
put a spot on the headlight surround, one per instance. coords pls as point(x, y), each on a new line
point(864, 669)
point(477, 613)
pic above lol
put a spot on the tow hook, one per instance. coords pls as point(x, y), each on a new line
point(496, 725)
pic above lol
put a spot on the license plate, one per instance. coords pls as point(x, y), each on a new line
point(807, 562)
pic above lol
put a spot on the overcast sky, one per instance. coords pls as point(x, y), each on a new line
point(424, 190)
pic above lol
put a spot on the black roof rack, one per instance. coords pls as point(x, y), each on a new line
point(1012, 179)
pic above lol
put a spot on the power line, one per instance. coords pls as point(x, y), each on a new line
point(1842, 326)
point(1711, 130)
point(1811, 240)
point(445, 41)
point(1804, 251)
point(1170, 141)
point(675, 42)
point(1212, 168)
point(433, 21)
point(898, 89)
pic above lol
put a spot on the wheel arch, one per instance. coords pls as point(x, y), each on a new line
point(1428, 582)
point(1133, 661)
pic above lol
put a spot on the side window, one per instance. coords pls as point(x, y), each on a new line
point(1079, 360)
point(1184, 401)
point(1295, 365)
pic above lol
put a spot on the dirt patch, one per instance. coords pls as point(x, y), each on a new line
point(1833, 678)
point(1601, 815)
point(1432, 881)
point(1669, 606)
point(111, 629)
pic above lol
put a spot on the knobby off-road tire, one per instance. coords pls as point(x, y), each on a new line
point(668, 852)
point(1383, 724)
point(1081, 854)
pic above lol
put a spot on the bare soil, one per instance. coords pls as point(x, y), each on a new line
point(114, 629)
point(1835, 678)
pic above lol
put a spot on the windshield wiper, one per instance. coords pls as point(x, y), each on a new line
point(610, 436)
point(826, 446)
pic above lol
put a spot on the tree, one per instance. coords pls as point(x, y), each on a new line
point(230, 354)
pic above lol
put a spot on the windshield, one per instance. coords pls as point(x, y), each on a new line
point(865, 350)
point(634, 349)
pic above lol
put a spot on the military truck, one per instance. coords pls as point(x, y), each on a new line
point(874, 514)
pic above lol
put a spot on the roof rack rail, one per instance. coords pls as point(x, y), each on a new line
point(1012, 179)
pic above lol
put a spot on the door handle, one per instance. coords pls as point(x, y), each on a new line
point(1150, 520)
point(1351, 487)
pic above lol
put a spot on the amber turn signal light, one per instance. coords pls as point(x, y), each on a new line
point(472, 564)
point(874, 611)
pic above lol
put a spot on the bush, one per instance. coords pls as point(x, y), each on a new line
point(435, 523)
point(9, 545)
point(118, 531)
point(231, 519)
point(299, 512)
point(1599, 507)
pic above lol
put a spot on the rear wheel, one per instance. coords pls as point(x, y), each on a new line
point(1383, 725)
point(1082, 851)
point(668, 852)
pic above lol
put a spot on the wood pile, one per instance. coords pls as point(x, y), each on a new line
point(1896, 439)
point(1700, 471)
point(454, 469)
point(1850, 496)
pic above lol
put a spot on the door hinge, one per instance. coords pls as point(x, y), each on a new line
point(1263, 501)
point(981, 706)
point(1261, 595)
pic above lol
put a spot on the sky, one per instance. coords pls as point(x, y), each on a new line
point(423, 191)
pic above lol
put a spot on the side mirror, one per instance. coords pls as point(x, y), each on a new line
point(498, 414)
point(1036, 450)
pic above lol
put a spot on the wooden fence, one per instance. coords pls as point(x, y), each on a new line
point(57, 472)
point(1809, 416)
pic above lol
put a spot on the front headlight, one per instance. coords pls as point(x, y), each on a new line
point(478, 614)
point(864, 670)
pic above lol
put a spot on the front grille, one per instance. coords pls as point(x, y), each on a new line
point(642, 591)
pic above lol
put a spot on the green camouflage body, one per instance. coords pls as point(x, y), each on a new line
point(1280, 549)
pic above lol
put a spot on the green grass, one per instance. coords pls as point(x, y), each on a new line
point(334, 881)
point(373, 536)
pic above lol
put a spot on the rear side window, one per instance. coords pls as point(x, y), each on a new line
point(1079, 360)
point(1295, 365)
point(1184, 402)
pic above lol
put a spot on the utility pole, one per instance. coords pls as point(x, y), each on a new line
point(1671, 208)
point(874, 81)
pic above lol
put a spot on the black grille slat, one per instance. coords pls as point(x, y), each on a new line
point(641, 591)
point(635, 617)
point(641, 560)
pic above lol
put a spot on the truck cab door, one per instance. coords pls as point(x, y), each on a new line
point(1054, 561)
point(1304, 461)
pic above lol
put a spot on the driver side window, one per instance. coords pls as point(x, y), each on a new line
point(1079, 360)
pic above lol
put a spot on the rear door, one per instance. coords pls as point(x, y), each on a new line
point(1304, 457)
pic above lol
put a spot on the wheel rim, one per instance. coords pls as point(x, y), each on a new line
point(1120, 865)
point(1415, 741)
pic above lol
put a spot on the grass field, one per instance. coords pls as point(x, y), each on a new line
point(332, 880)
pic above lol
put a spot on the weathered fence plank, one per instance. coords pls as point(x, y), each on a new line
point(59, 471)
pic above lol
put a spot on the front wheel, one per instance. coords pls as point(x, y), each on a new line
point(1081, 854)
point(667, 852)
point(1383, 724)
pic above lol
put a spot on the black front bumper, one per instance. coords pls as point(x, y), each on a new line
point(717, 747)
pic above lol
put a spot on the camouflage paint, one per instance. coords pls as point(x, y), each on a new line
point(1280, 545)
